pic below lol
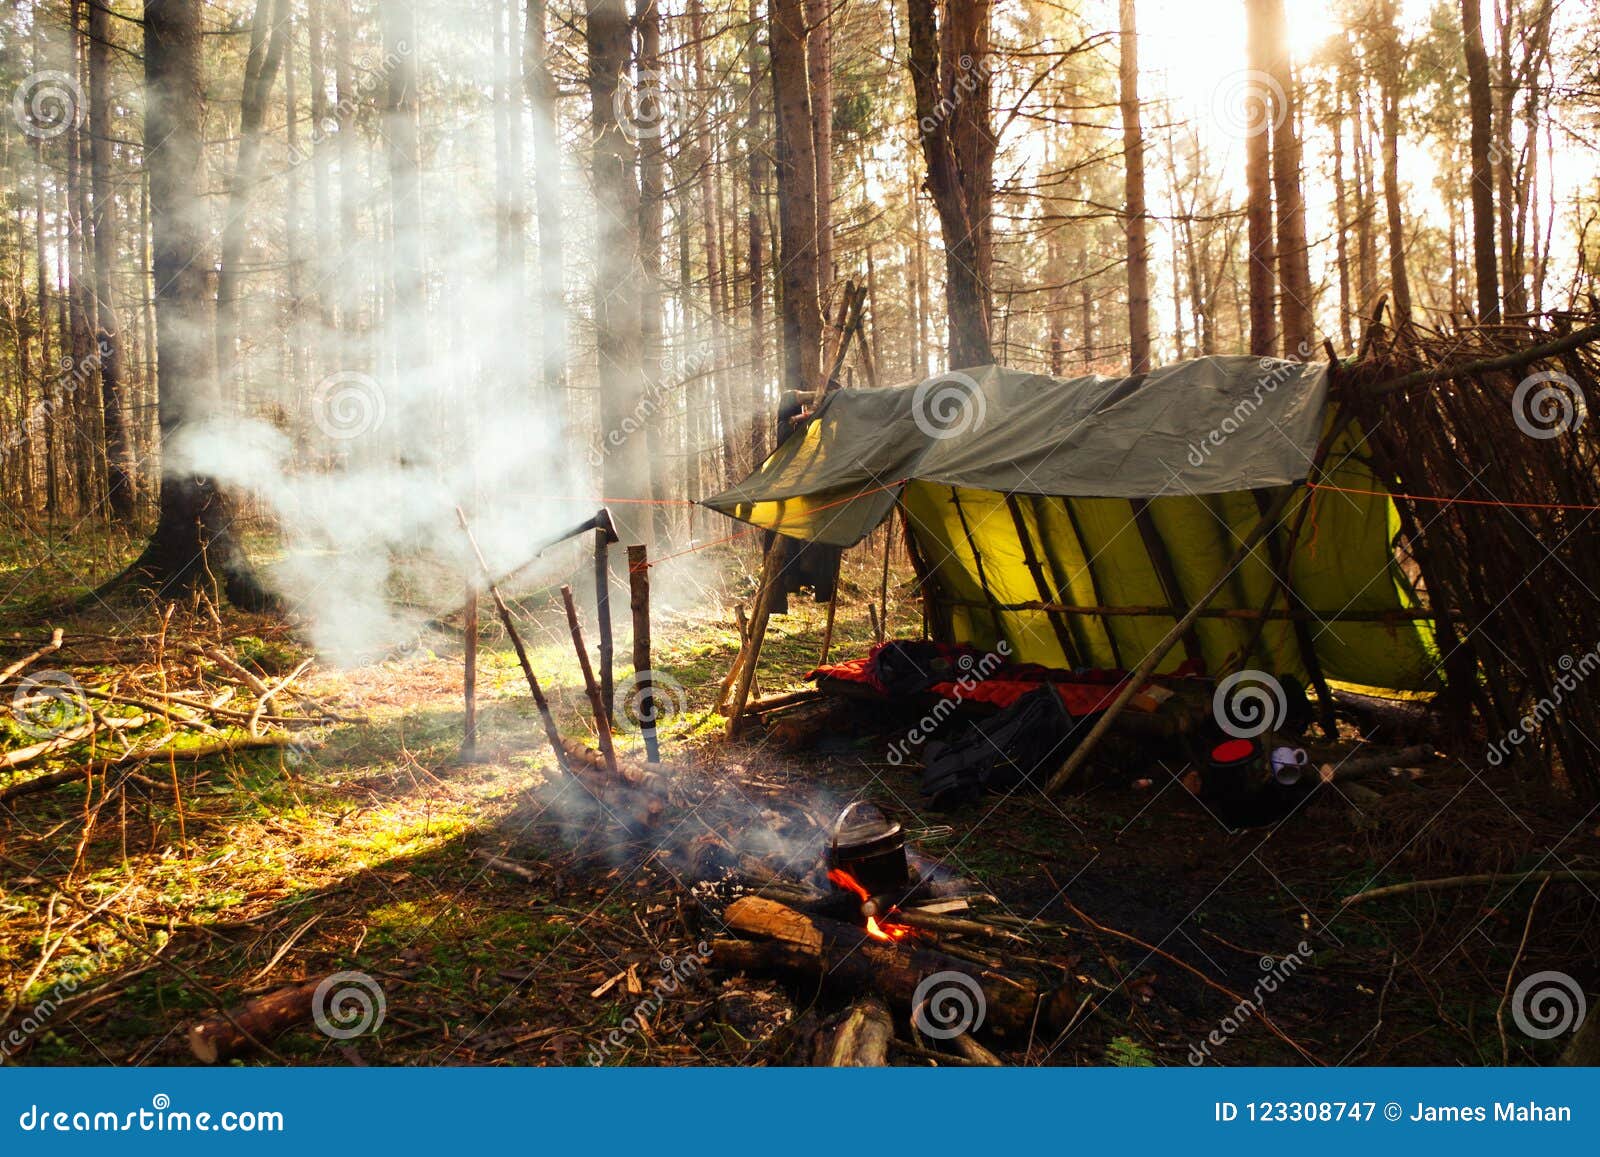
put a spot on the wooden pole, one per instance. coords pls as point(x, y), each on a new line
point(1151, 661)
point(551, 732)
point(827, 630)
point(771, 570)
point(883, 579)
point(602, 725)
point(602, 601)
point(643, 673)
point(469, 678)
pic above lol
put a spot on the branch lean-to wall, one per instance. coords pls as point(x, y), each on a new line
point(1494, 476)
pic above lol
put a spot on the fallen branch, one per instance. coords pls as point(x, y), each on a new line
point(1557, 875)
point(100, 766)
point(1192, 971)
point(33, 657)
point(266, 696)
point(1358, 766)
point(12, 760)
point(509, 867)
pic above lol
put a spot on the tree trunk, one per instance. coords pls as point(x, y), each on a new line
point(819, 71)
point(547, 158)
point(321, 196)
point(797, 193)
point(1134, 223)
point(1341, 213)
point(1391, 61)
point(401, 128)
point(703, 161)
point(616, 288)
point(294, 347)
point(756, 162)
point(84, 450)
point(1294, 269)
point(349, 174)
point(652, 201)
point(1484, 266)
point(268, 36)
point(47, 369)
point(1263, 259)
point(950, 80)
point(121, 484)
point(193, 538)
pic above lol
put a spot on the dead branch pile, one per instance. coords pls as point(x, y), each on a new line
point(1493, 467)
point(110, 711)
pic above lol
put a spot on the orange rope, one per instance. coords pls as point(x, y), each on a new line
point(1455, 501)
point(754, 529)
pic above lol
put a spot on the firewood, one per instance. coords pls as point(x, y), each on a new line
point(975, 1052)
point(844, 957)
point(1357, 766)
point(632, 795)
point(254, 1024)
point(628, 773)
point(861, 1038)
point(781, 701)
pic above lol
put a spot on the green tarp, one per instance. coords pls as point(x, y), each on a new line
point(1115, 494)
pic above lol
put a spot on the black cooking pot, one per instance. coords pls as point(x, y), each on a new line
point(871, 848)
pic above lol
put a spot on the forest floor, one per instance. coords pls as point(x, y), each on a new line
point(122, 925)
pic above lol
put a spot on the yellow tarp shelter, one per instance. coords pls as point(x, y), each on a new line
point(1077, 519)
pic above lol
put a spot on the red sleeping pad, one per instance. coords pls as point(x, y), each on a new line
point(1083, 692)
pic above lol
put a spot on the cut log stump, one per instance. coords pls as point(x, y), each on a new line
point(253, 1024)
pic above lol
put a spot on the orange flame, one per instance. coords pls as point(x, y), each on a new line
point(886, 932)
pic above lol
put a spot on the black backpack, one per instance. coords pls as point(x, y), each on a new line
point(1029, 738)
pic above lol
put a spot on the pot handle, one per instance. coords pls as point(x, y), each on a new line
point(838, 823)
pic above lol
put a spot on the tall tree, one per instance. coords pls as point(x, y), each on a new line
point(402, 132)
point(755, 147)
point(1135, 225)
point(1294, 267)
point(541, 88)
point(652, 203)
point(1391, 66)
point(193, 536)
point(616, 288)
point(950, 80)
point(268, 37)
point(1261, 108)
point(120, 480)
point(1480, 110)
point(819, 70)
point(797, 197)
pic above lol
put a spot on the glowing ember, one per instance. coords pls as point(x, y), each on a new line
point(886, 932)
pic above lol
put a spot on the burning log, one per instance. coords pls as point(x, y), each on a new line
point(861, 1038)
point(254, 1024)
point(911, 977)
